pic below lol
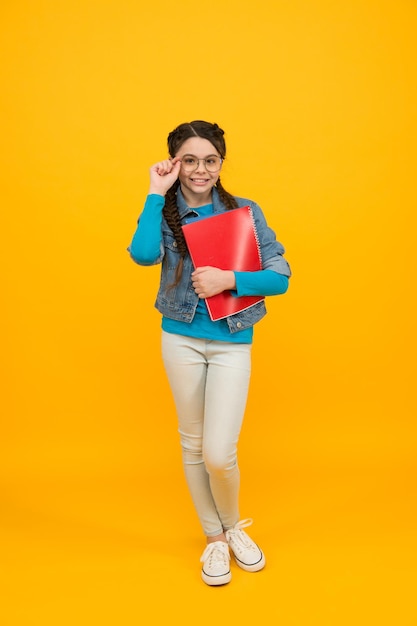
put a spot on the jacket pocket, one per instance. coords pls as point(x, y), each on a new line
point(172, 255)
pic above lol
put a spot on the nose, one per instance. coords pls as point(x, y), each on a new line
point(201, 166)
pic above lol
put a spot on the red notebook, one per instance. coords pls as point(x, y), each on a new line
point(228, 241)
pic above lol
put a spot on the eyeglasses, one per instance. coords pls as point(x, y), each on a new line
point(190, 163)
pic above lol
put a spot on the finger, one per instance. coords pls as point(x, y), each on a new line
point(159, 169)
point(162, 167)
point(201, 270)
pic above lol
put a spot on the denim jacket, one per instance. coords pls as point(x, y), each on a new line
point(179, 303)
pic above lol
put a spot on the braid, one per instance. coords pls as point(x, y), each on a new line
point(228, 200)
point(214, 134)
point(170, 212)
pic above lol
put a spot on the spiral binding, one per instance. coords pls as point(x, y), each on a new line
point(256, 235)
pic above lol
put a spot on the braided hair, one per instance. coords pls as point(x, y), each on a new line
point(214, 134)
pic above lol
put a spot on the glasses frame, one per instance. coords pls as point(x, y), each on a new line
point(198, 163)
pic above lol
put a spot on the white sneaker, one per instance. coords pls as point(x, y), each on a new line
point(247, 554)
point(216, 563)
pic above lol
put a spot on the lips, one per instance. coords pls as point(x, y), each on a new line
point(199, 181)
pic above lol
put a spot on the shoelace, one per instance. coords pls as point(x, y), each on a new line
point(240, 536)
point(215, 552)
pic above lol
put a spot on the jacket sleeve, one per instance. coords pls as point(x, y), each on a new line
point(272, 251)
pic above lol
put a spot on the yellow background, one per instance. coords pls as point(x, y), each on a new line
point(318, 100)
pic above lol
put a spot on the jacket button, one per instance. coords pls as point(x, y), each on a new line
point(175, 244)
point(239, 324)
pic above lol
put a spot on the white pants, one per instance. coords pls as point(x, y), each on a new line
point(209, 381)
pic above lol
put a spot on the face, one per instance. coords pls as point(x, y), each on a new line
point(197, 185)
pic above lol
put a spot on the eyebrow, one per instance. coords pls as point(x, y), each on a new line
point(196, 157)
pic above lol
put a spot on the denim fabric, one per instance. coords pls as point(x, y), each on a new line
point(180, 302)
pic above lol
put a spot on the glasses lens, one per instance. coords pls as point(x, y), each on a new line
point(190, 163)
point(213, 163)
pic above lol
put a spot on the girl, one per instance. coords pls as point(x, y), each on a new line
point(207, 363)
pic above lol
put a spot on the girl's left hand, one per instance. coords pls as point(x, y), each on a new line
point(209, 281)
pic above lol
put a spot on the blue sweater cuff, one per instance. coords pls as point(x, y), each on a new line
point(262, 283)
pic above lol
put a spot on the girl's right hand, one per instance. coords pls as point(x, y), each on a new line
point(163, 175)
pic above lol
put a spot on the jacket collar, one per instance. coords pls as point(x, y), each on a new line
point(184, 209)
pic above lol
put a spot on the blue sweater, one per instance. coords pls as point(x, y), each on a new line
point(145, 249)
